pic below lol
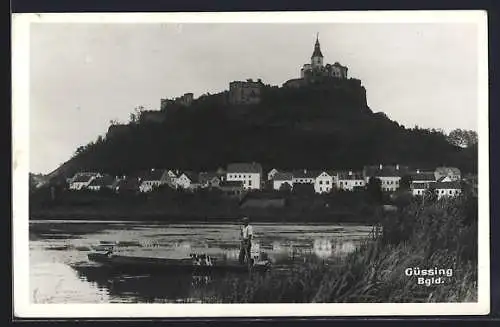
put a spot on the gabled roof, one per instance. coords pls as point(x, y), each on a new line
point(418, 186)
point(128, 183)
point(274, 170)
point(443, 179)
point(448, 185)
point(82, 179)
point(193, 177)
point(105, 180)
point(152, 175)
point(207, 176)
point(448, 170)
point(319, 172)
point(344, 175)
point(244, 168)
point(386, 171)
point(283, 176)
point(423, 177)
point(304, 173)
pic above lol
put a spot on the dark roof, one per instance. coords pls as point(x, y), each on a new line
point(244, 168)
point(304, 173)
point(448, 170)
point(419, 186)
point(102, 181)
point(231, 184)
point(152, 175)
point(386, 171)
point(447, 185)
point(317, 50)
point(82, 178)
point(128, 183)
point(423, 177)
point(344, 175)
point(207, 176)
point(193, 177)
point(283, 176)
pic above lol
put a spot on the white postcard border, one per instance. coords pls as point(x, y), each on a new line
point(20, 120)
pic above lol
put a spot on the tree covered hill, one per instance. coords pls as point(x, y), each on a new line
point(325, 125)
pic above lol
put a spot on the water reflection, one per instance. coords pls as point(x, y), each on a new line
point(60, 271)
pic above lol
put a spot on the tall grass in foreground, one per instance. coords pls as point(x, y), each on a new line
point(440, 234)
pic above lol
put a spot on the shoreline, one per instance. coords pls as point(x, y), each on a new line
point(191, 217)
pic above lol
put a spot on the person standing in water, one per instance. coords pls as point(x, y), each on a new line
point(246, 236)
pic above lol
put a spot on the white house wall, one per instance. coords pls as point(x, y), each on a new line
point(250, 180)
point(390, 183)
point(350, 184)
point(323, 183)
point(447, 193)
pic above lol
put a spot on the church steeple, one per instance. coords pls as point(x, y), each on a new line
point(317, 49)
point(317, 56)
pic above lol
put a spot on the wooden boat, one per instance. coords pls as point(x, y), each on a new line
point(194, 264)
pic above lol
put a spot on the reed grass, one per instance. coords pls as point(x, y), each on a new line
point(440, 234)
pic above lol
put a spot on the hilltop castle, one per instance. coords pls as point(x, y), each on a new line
point(315, 70)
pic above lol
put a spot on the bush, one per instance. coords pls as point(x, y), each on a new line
point(438, 234)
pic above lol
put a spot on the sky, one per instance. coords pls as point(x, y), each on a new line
point(84, 75)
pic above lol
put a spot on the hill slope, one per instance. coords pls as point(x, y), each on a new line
point(327, 125)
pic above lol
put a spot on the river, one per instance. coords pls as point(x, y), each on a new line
point(61, 273)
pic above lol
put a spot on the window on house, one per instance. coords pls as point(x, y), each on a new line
point(320, 182)
point(250, 183)
point(450, 192)
point(327, 182)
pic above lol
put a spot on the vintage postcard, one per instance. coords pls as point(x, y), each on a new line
point(250, 164)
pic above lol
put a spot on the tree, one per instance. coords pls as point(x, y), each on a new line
point(462, 138)
point(405, 182)
point(374, 189)
point(285, 188)
point(430, 194)
point(136, 115)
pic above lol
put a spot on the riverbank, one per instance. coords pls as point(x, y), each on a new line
point(440, 238)
point(347, 207)
point(283, 216)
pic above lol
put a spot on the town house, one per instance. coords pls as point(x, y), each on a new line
point(188, 180)
point(323, 183)
point(421, 181)
point(451, 172)
point(271, 173)
point(82, 180)
point(349, 181)
point(209, 179)
point(447, 189)
point(390, 176)
point(152, 179)
point(248, 173)
point(282, 178)
point(304, 176)
point(105, 181)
